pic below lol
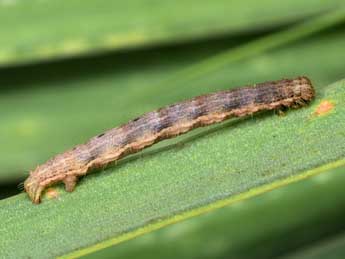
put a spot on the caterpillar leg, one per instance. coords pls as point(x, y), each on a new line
point(70, 182)
point(281, 112)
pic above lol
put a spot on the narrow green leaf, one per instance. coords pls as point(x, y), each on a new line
point(210, 169)
point(265, 43)
point(38, 30)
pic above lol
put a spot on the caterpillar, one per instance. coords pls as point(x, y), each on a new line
point(164, 123)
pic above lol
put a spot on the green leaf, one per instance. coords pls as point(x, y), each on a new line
point(209, 169)
point(40, 30)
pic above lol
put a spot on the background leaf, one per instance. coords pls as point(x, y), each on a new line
point(56, 29)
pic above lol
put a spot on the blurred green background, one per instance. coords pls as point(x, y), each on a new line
point(71, 69)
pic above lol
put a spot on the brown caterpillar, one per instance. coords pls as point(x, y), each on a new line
point(165, 123)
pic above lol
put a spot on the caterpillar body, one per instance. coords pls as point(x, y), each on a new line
point(164, 123)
